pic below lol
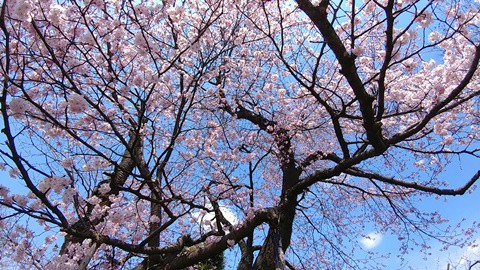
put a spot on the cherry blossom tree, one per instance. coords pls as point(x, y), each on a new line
point(158, 134)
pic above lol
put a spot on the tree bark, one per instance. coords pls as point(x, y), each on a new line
point(271, 256)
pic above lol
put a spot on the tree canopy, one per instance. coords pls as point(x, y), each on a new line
point(158, 134)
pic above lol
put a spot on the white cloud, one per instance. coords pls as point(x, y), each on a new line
point(371, 240)
point(471, 254)
point(454, 258)
point(207, 219)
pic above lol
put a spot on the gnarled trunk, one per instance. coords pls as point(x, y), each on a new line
point(271, 255)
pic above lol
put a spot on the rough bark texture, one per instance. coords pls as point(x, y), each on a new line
point(271, 255)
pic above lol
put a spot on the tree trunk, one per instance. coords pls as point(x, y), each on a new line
point(271, 256)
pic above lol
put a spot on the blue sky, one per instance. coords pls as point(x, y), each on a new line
point(455, 209)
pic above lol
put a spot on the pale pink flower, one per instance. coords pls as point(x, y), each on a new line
point(50, 239)
point(14, 173)
point(439, 88)
point(208, 222)
point(20, 200)
point(154, 219)
point(67, 163)
point(410, 65)
point(274, 77)
point(19, 107)
point(56, 183)
point(424, 19)
point(77, 103)
point(22, 10)
point(4, 191)
point(268, 86)
point(93, 200)
point(358, 51)
point(434, 37)
point(56, 14)
point(44, 185)
point(139, 40)
point(175, 11)
point(116, 217)
point(420, 163)
point(447, 140)
point(68, 195)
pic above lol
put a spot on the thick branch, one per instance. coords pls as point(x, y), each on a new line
point(342, 165)
point(319, 17)
point(198, 254)
point(416, 186)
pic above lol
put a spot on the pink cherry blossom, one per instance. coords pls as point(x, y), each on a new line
point(22, 9)
point(77, 104)
point(358, 51)
point(135, 132)
point(19, 107)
